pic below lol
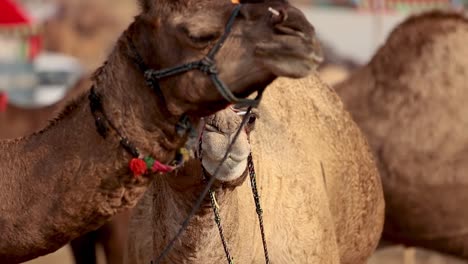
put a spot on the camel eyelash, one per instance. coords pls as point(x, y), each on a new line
point(211, 128)
point(203, 38)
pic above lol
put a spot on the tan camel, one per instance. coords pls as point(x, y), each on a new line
point(73, 176)
point(321, 193)
point(410, 101)
point(87, 29)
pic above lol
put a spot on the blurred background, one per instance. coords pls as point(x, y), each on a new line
point(48, 46)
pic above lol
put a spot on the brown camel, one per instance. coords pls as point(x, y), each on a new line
point(321, 193)
point(73, 176)
point(17, 121)
point(410, 102)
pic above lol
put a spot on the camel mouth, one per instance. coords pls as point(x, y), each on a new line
point(238, 158)
point(290, 55)
point(232, 159)
point(212, 128)
point(229, 171)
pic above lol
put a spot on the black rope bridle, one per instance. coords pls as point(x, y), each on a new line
point(206, 65)
point(215, 206)
point(203, 194)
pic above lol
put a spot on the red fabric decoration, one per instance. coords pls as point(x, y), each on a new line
point(159, 167)
point(138, 167)
point(11, 13)
point(3, 101)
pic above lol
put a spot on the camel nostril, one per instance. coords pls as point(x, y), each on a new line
point(287, 20)
point(283, 15)
point(278, 15)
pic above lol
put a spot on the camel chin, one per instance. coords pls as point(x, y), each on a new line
point(215, 142)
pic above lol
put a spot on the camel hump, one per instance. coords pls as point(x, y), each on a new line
point(410, 101)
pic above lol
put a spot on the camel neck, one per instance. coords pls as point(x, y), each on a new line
point(133, 107)
point(172, 204)
point(67, 179)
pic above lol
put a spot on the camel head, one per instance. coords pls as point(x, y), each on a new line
point(267, 39)
point(218, 133)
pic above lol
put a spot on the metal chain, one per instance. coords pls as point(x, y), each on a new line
point(256, 196)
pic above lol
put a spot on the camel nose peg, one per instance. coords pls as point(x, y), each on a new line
point(273, 11)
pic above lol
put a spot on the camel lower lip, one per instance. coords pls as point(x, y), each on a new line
point(236, 159)
point(230, 162)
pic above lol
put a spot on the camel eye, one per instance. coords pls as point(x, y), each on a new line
point(203, 39)
point(197, 37)
point(252, 119)
point(250, 126)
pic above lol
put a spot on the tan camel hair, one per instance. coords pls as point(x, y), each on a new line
point(87, 29)
point(68, 180)
point(321, 193)
point(410, 101)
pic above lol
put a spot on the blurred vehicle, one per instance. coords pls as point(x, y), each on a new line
point(44, 81)
point(30, 76)
point(55, 74)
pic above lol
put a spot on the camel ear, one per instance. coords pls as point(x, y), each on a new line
point(145, 5)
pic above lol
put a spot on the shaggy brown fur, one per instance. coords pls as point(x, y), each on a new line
point(68, 180)
point(18, 122)
point(320, 190)
point(410, 101)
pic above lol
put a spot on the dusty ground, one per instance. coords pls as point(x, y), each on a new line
point(393, 255)
point(63, 256)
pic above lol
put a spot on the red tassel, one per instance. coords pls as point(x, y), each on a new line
point(159, 167)
point(138, 167)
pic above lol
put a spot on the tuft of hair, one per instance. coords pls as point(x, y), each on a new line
point(145, 5)
point(71, 107)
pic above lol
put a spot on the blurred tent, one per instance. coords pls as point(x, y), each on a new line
point(404, 5)
point(15, 23)
point(356, 28)
point(393, 5)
